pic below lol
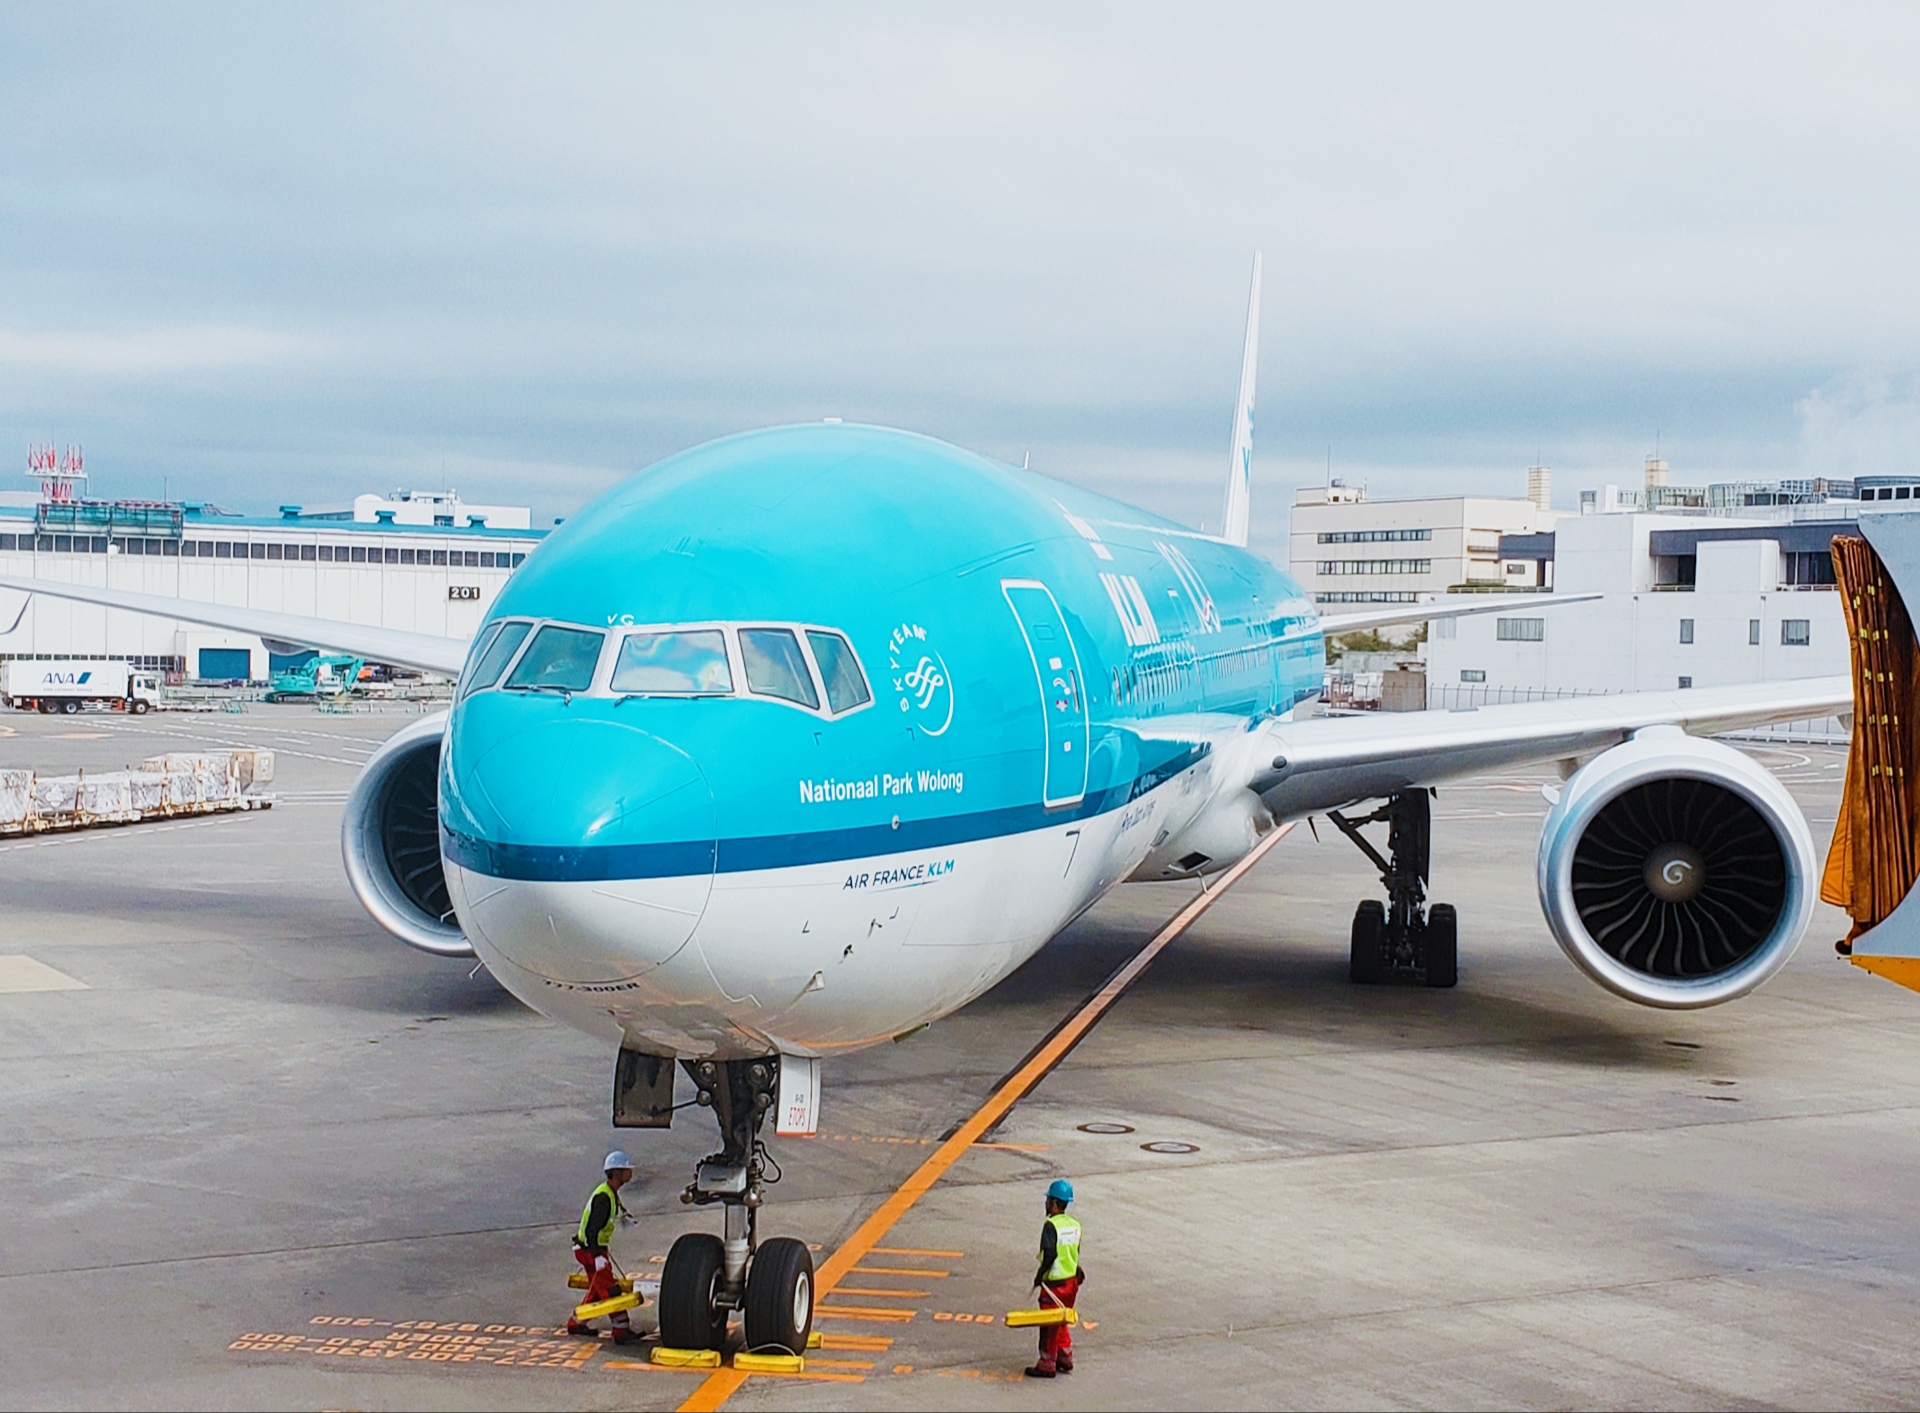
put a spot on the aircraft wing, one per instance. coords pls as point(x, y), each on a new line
point(1334, 624)
point(427, 652)
point(1327, 761)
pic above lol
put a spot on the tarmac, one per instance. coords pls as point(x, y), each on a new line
point(260, 1155)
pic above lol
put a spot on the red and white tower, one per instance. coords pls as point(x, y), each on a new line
point(59, 473)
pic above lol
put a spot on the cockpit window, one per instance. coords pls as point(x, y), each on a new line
point(840, 670)
point(691, 662)
point(558, 660)
point(498, 651)
point(775, 667)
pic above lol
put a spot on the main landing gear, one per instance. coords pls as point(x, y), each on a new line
point(707, 1277)
point(1402, 937)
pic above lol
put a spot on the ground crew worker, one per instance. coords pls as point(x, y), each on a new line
point(590, 1244)
point(1058, 1280)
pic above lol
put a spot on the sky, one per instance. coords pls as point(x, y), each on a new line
point(267, 254)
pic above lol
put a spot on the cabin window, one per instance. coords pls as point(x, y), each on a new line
point(501, 644)
point(840, 670)
point(559, 660)
point(775, 667)
point(691, 662)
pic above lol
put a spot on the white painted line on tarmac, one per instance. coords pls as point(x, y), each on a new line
point(19, 972)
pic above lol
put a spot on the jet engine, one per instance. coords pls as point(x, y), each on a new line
point(390, 839)
point(1675, 871)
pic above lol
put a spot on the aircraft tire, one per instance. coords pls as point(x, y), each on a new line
point(1368, 960)
point(690, 1318)
point(1443, 945)
point(780, 1297)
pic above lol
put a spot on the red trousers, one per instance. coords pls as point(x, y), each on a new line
point(1056, 1341)
point(601, 1284)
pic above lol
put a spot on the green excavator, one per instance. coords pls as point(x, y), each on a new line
point(326, 676)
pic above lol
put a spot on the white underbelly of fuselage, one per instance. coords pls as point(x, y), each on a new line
point(816, 959)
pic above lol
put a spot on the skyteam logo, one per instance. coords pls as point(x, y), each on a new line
point(920, 679)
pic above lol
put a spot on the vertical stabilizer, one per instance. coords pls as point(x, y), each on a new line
point(1233, 524)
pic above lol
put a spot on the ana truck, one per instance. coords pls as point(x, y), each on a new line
point(50, 686)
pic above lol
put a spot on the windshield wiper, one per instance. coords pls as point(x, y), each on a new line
point(566, 693)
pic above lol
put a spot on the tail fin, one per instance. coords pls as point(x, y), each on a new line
point(1233, 525)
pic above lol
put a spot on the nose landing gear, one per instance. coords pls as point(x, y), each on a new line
point(706, 1277)
point(1402, 937)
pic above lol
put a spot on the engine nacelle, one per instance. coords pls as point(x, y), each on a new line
point(1675, 871)
point(390, 840)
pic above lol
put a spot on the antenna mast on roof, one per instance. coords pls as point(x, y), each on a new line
point(60, 473)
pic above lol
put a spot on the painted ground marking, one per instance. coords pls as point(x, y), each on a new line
point(720, 1385)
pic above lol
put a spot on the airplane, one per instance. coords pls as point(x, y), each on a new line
point(804, 738)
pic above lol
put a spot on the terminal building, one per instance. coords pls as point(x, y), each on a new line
point(1346, 549)
point(1686, 601)
point(1700, 585)
point(426, 563)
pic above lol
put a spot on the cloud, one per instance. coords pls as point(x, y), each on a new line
point(149, 351)
point(1861, 424)
point(328, 243)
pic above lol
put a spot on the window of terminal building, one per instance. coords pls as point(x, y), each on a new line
point(1804, 568)
point(518, 560)
point(1686, 630)
point(342, 554)
point(273, 551)
point(486, 559)
point(473, 559)
point(1753, 632)
point(1371, 537)
point(308, 552)
point(392, 555)
point(406, 556)
point(359, 554)
point(1795, 632)
point(1376, 566)
point(1473, 674)
point(257, 550)
point(1685, 683)
point(1520, 630)
point(8, 542)
point(440, 557)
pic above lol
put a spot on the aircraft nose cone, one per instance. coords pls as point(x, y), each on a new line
point(591, 844)
point(585, 787)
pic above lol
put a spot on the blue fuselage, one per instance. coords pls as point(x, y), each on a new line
point(1026, 654)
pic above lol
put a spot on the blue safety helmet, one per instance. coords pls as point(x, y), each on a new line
point(1060, 1190)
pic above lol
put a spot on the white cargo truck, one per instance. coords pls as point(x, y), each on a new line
point(69, 684)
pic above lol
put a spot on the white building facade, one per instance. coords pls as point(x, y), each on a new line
point(1687, 601)
point(413, 574)
point(1347, 549)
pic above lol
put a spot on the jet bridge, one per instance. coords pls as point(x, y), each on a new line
point(1875, 857)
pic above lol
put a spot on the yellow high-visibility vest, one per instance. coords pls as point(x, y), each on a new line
point(599, 1240)
point(1066, 1248)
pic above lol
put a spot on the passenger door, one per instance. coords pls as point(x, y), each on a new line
point(1056, 668)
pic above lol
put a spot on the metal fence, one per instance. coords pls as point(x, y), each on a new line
point(1447, 696)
